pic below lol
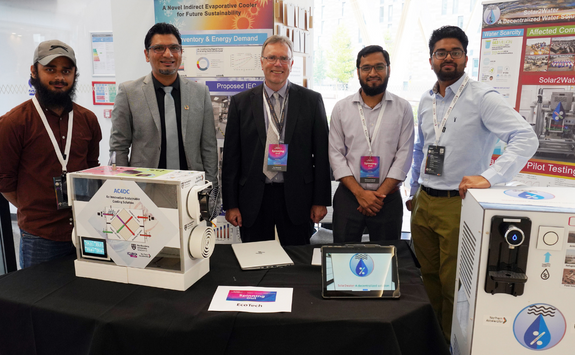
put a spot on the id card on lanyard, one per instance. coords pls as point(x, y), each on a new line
point(369, 164)
point(60, 184)
point(435, 152)
point(277, 153)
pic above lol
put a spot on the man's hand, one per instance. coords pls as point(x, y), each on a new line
point(366, 212)
point(409, 204)
point(370, 202)
point(472, 182)
point(317, 213)
point(234, 216)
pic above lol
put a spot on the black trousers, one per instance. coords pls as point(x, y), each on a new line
point(349, 223)
point(273, 212)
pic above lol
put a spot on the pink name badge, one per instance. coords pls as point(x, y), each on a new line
point(369, 170)
point(277, 157)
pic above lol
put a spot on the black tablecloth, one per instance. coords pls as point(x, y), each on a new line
point(47, 310)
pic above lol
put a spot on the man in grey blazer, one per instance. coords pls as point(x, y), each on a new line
point(162, 120)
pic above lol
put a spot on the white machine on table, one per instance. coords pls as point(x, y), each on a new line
point(141, 226)
point(515, 285)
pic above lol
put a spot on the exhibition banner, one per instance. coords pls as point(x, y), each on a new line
point(528, 55)
point(195, 15)
point(527, 12)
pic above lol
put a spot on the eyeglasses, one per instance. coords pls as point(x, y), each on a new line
point(160, 49)
point(378, 68)
point(273, 59)
point(455, 54)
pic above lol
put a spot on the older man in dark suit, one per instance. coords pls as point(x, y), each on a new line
point(275, 168)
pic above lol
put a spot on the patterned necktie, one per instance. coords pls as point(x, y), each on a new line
point(271, 137)
point(172, 147)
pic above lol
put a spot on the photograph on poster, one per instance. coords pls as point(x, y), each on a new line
point(570, 257)
point(537, 46)
point(568, 277)
point(550, 109)
point(571, 237)
point(563, 45)
point(561, 63)
point(536, 63)
point(220, 104)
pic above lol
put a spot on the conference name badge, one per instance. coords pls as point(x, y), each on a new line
point(369, 170)
point(277, 157)
point(435, 158)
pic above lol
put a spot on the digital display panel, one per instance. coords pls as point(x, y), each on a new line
point(94, 248)
point(360, 271)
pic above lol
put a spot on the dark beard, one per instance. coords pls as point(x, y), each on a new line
point(52, 99)
point(449, 76)
point(373, 91)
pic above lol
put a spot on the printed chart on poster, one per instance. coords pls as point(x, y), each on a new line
point(223, 62)
point(104, 92)
point(528, 55)
point(103, 54)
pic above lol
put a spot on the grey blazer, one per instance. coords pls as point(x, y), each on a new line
point(136, 125)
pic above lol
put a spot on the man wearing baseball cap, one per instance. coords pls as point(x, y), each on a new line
point(41, 140)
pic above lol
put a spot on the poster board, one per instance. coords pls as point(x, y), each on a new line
point(528, 55)
point(103, 62)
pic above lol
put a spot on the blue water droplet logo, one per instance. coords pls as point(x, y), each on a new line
point(539, 326)
point(491, 18)
point(537, 335)
point(361, 264)
point(361, 269)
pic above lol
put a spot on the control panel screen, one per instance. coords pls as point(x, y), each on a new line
point(94, 248)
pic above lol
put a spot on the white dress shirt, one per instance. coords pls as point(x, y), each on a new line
point(393, 144)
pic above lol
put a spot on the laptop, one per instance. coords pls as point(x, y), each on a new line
point(261, 255)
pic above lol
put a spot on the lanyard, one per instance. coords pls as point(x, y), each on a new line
point(439, 127)
point(364, 123)
point(63, 159)
point(277, 124)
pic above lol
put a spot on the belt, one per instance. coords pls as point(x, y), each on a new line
point(440, 193)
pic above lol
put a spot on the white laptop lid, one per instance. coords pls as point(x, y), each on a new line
point(261, 255)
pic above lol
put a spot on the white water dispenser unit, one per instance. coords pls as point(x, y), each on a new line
point(515, 285)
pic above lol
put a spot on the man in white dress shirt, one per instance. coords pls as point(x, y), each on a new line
point(370, 150)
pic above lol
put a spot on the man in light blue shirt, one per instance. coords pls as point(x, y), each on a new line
point(459, 123)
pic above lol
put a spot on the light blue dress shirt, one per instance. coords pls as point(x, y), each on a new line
point(480, 117)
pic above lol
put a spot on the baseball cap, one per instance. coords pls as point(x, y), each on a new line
point(47, 51)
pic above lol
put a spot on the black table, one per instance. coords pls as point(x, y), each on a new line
point(47, 310)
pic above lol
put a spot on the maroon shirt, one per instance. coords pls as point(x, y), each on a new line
point(28, 163)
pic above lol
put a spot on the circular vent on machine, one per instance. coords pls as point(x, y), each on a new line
point(209, 206)
point(204, 203)
point(202, 242)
